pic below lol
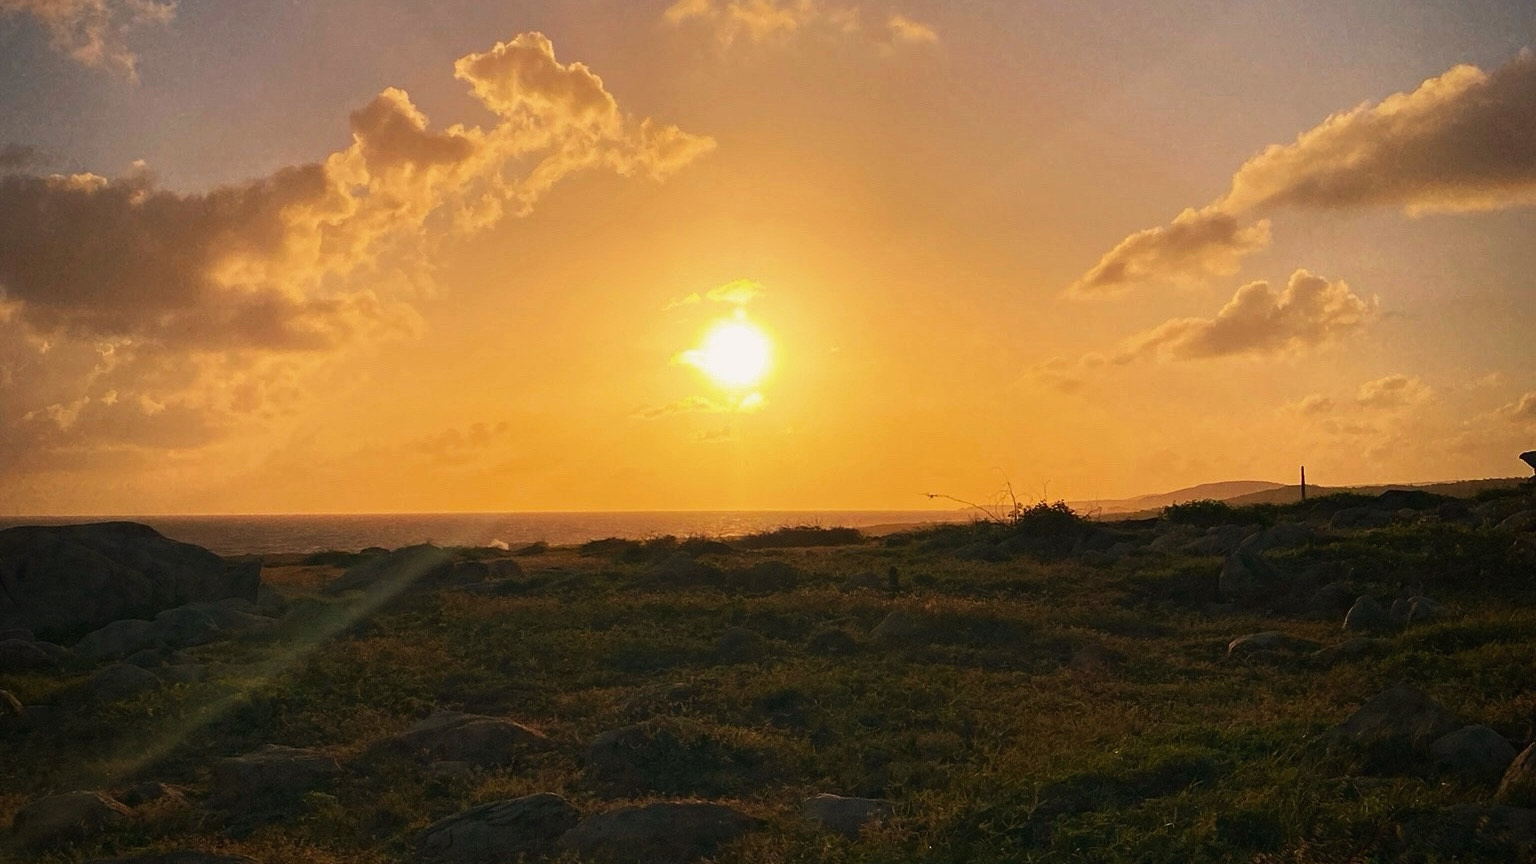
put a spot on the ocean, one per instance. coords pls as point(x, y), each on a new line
point(267, 535)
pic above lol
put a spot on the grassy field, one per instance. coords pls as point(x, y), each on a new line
point(1072, 703)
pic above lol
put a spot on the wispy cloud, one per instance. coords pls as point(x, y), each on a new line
point(1459, 142)
point(94, 32)
point(773, 21)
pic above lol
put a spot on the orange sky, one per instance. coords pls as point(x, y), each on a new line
point(404, 256)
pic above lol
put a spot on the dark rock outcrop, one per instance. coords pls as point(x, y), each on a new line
point(509, 830)
point(1472, 754)
point(423, 566)
point(449, 736)
point(70, 817)
point(272, 774)
point(846, 816)
point(61, 580)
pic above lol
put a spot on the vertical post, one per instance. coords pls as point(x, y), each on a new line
point(1303, 482)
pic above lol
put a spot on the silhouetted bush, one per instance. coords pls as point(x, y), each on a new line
point(802, 535)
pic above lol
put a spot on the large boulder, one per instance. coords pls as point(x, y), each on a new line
point(1518, 787)
point(1282, 535)
point(118, 681)
point(272, 774)
point(1269, 644)
point(60, 580)
point(70, 817)
point(1493, 832)
point(1472, 754)
point(1395, 725)
point(666, 833)
point(1248, 580)
point(448, 736)
point(19, 655)
point(1367, 616)
point(422, 566)
point(508, 830)
point(846, 816)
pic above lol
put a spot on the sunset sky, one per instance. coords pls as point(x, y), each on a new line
point(401, 255)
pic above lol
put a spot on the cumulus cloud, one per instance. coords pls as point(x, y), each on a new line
point(738, 293)
point(1462, 141)
point(1393, 391)
point(1260, 321)
point(207, 303)
point(1196, 245)
point(1315, 405)
point(1522, 410)
point(93, 32)
point(770, 21)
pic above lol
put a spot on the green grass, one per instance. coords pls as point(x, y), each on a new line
point(995, 744)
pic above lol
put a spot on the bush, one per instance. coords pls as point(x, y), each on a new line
point(1205, 513)
point(802, 535)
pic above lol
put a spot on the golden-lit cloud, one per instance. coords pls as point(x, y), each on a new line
point(1462, 141)
point(1315, 405)
point(737, 293)
point(1522, 410)
point(1393, 391)
point(1198, 244)
point(93, 32)
point(771, 21)
point(1260, 321)
point(203, 310)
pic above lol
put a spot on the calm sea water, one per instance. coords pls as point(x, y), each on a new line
point(240, 535)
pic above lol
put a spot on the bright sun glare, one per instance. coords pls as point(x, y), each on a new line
point(735, 353)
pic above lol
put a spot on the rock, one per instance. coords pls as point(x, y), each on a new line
point(413, 566)
point(1329, 601)
point(896, 627)
point(1422, 610)
point(118, 681)
point(1361, 518)
point(832, 642)
point(1498, 831)
point(740, 645)
point(270, 602)
point(846, 816)
point(232, 616)
point(1518, 786)
point(1399, 719)
point(1249, 580)
point(1529, 458)
point(1218, 540)
point(17, 655)
point(1272, 642)
point(25, 635)
point(185, 626)
point(117, 640)
point(448, 736)
point(67, 578)
point(70, 817)
point(863, 582)
point(1367, 616)
point(1399, 611)
point(507, 830)
point(1520, 522)
point(666, 833)
point(13, 715)
point(1283, 535)
point(1353, 648)
point(146, 658)
point(150, 791)
point(272, 774)
point(1472, 754)
point(445, 772)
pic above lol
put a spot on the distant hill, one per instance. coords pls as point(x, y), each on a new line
point(1275, 493)
point(1223, 491)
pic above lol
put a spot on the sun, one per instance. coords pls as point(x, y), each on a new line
point(736, 354)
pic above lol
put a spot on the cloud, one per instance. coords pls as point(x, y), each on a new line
point(1196, 245)
point(1522, 410)
point(1393, 391)
point(93, 32)
point(738, 293)
point(462, 446)
point(905, 30)
point(1463, 141)
point(1315, 405)
point(748, 404)
point(774, 21)
point(216, 303)
point(1260, 321)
